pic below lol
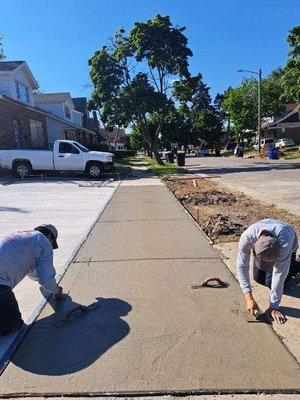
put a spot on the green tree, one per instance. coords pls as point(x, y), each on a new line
point(131, 77)
point(208, 127)
point(291, 76)
point(194, 98)
point(241, 104)
point(2, 55)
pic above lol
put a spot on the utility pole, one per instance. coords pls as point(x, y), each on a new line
point(259, 109)
point(259, 102)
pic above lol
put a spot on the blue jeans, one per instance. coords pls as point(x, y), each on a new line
point(10, 316)
point(265, 277)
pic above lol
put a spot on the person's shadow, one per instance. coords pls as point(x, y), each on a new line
point(51, 350)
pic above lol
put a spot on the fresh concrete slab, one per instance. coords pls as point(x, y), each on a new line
point(131, 240)
point(151, 332)
point(137, 211)
point(143, 194)
point(62, 202)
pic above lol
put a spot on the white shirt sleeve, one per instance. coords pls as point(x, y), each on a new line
point(243, 260)
point(44, 268)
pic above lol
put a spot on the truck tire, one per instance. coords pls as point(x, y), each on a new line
point(94, 170)
point(22, 169)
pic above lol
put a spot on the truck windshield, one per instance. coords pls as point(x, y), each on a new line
point(82, 148)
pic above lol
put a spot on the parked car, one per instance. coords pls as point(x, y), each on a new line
point(264, 142)
point(67, 155)
point(284, 142)
point(202, 152)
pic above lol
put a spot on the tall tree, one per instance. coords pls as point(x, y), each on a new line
point(291, 76)
point(194, 98)
point(131, 77)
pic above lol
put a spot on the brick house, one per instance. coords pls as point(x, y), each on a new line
point(29, 119)
point(21, 125)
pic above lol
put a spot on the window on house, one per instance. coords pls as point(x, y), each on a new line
point(22, 92)
point(67, 112)
point(37, 136)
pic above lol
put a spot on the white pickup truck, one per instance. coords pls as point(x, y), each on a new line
point(67, 155)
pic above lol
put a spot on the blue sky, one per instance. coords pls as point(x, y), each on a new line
point(56, 37)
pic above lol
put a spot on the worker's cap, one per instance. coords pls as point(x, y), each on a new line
point(266, 251)
point(50, 228)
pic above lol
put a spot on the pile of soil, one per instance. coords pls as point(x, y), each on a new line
point(222, 213)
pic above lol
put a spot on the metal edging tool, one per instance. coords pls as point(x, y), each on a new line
point(216, 283)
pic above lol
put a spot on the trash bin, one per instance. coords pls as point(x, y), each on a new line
point(180, 158)
point(170, 157)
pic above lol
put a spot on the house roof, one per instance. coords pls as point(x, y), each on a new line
point(53, 98)
point(285, 117)
point(8, 66)
point(12, 66)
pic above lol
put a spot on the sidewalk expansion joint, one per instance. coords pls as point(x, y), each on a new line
point(146, 259)
point(141, 220)
point(133, 394)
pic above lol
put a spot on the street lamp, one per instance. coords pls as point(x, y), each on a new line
point(259, 101)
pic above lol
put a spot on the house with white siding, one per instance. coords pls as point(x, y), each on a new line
point(30, 119)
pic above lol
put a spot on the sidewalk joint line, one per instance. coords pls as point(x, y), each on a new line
point(146, 259)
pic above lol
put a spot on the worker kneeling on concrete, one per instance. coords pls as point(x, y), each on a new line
point(25, 253)
point(274, 245)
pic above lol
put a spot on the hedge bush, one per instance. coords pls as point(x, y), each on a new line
point(124, 153)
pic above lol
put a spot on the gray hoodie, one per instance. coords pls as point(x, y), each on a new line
point(27, 253)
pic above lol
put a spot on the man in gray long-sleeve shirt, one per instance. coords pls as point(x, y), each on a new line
point(274, 245)
point(25, 253)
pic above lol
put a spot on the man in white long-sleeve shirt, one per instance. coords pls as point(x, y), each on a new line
point(274, 244)
point(25, 253)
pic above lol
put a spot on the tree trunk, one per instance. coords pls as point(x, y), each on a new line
point(158, 158)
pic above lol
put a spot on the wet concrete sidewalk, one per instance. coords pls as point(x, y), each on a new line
point(147, 330)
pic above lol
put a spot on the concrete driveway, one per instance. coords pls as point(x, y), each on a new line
point(273, 181)
point(72, 205)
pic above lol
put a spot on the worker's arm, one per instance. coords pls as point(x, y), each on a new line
point(280, 272)
point(242, 266)
point(45, 271)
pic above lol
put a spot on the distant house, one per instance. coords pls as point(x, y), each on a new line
point(29, 119)
point(286, 126)
point(116, 139)
point(63, 120)
point(21, 125)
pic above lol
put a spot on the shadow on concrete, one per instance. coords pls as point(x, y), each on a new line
point(290, 312)
point(292, 287)
point(249, 168)
point(14, 209)
point(53, 351)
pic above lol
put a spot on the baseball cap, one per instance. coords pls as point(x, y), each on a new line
point(51, 228)
point(266, 251)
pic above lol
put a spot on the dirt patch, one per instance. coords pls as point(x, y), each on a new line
point(222, 213)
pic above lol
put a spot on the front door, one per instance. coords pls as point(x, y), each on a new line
point(69, 158)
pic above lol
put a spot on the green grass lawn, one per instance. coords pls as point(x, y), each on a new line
point(163, 170)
